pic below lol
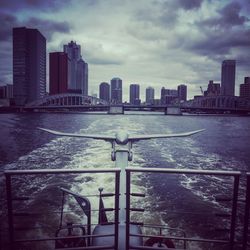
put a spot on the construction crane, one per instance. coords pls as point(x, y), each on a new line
point(202, 91)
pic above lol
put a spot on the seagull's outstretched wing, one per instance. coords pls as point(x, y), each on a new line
point(135, 138)
point(92, 136)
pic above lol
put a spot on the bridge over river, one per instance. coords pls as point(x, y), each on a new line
point(70, 102)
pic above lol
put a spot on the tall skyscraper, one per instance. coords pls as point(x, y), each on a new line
point(77, 69)
point(29, 65)
point(182, 92)
point(228, 77)
point(245, 88)
point(163, 96)
point(134, 94)
point(116, 90)
point(150, 95)
point(104, 91)
point(58, 73)
point(82, 76)
point(73, 51)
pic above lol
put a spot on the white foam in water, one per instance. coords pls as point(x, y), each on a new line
point(208, 187)
point(96, 154)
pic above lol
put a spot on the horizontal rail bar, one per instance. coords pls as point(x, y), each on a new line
point(63, 238)
point(62, 171)
point(222, 229)
point(32, 198)
point(138, 195)
point(113, 170)
point(58, 212)
point(222, 215)
point(23, 228)
point(149, 248)
point(21, 198)
point(104, 209)
point(184, 171)
point(107, 194)
point(164, 227)
point(180, 238)
point(136, 223)
point(94, 248)
point(137, 209)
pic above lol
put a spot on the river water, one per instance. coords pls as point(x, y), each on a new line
point(184, 202)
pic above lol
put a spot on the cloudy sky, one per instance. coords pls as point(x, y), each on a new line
point(151, 42)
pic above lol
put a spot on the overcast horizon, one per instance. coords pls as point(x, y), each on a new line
point(153, 43)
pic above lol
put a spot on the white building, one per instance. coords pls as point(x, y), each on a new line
point(77, 69)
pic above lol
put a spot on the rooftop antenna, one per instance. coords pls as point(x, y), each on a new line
point(121, 153)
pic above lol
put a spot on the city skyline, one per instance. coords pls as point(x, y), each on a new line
point(151, 44)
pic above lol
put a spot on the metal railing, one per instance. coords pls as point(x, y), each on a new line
point(246, 236)
point(235, 174)
point(230, 241)
point(13, 242)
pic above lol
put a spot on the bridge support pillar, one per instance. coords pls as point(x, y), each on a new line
point(173, 111)
point(116, 110)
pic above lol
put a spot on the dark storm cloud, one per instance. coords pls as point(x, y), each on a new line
point(222, 43)
point(229, 16)
point(224, 36)
point(190, 4)
point(168, 12)
point(12, 5)
point(9, 20)
point(47, 27)
point(7, 23)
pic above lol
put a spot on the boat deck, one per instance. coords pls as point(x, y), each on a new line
point(118, 235)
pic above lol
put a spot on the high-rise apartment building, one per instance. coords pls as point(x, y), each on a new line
point(150, 95)
point(116, 90)
point(58, 73)
point(104, 91)
point(6, 91)
point(134, 94)
point(168, 95)
point(245, 88)
point(213, 89)
point(228, 77)
point(77, 69)
point(29, 65)
point(163, 95)
point(182, 92)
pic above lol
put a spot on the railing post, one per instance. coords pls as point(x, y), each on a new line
point(127, 208)
point(246, 216)
point(117, 198)
point(10, 211)
point(234, 211)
